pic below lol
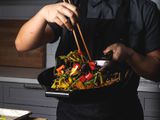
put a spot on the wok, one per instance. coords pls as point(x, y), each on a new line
point(47, 77)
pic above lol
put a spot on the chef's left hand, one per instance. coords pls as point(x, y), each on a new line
point(120, 51)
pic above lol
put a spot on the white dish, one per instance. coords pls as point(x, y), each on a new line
point(14, 113)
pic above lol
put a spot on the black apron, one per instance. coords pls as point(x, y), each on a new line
point(100, 33)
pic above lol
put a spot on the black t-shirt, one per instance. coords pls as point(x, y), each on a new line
point(144, 22)
point(97, 18)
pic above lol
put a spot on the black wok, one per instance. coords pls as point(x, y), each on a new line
point(47, 77)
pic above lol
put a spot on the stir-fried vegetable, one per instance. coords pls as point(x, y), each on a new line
point(79, 73)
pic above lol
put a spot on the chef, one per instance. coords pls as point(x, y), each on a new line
point(129, 28)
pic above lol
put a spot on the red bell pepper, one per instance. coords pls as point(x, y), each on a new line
point(92, 65)
point(89, 76)
point(82, 78)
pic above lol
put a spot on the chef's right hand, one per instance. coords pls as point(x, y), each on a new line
point(59, 13)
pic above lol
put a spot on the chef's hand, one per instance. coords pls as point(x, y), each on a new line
point(120, 51)
point(59, 13)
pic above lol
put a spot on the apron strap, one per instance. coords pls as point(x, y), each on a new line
point(120, 31)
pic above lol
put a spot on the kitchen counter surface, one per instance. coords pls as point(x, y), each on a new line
point(29, 75)
point(19, 75)
point(19, 72)
point(148, 86)
point(18, 80)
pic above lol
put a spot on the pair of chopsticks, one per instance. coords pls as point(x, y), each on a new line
point(81, 35)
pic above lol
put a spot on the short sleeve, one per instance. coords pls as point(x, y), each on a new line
point(57, 30)
point(151, 16)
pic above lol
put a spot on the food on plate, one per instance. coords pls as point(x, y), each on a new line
point(78, 73)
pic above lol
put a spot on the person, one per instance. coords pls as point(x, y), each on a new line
point(129, 28)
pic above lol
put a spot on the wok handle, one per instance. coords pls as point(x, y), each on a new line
point(32, 86)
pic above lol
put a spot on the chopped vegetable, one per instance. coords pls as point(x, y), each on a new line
point(75, 68)
point(89, 76)
point(70, 80)
point(77, 73)
point(82, 78)
point(92, 65)
point(60, 69)
point(79, 85)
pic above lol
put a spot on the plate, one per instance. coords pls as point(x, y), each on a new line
point(12, 114)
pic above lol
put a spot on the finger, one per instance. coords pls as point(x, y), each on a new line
point(58, 21)
point(71, 7)
point(110, 48)
point(105, 51)
point(68, 13)
point(65, 21)
point(116, 56)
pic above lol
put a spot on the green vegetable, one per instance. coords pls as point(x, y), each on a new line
point(72, 76)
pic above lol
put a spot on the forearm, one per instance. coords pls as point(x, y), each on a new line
point(36, 32)
point(31, 33)
point(145, 66)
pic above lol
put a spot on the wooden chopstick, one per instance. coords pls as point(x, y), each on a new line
point(85, 46)
point(76, 40)
point(81, 35)
point(74, 34)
